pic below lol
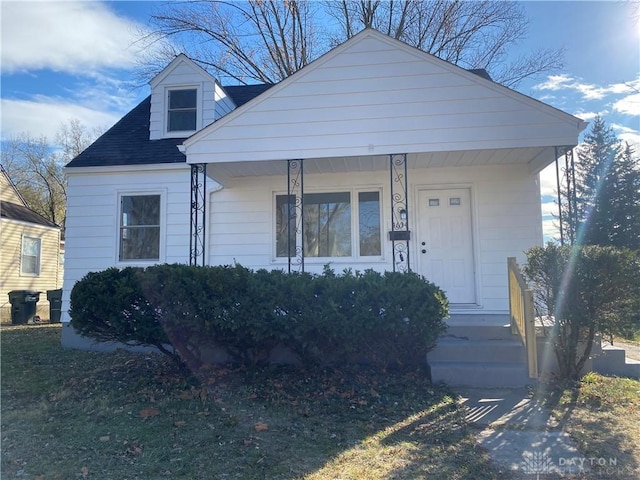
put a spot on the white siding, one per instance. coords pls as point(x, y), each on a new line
point(92, 218)
point(374, 95)
point(182, 73)
point(224, 104)
point(506, 220)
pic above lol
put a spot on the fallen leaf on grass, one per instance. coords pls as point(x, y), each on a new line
point(84, 471)
point(261, 427)
point(149, 412)
point(105, 438)
point(39, 477)
point(179, 423)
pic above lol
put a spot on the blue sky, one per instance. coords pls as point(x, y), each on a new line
point(65, 60)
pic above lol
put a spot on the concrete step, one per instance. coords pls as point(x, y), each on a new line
point(479, 351)
point(613, 361)
point(451, 349)
point(479, 332)
point(468, 374)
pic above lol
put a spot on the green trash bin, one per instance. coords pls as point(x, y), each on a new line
point(23, 306)
point(55, 305)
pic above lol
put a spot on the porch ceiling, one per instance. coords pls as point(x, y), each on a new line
point(536, 157)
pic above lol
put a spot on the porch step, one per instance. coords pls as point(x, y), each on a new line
point(613, 361)
point(479, 355)
point(479, 332)
point(478, 351)
point(470, 374)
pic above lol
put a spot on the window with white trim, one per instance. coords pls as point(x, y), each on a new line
point(182, 110)
point(30, 258)
point(139, 231)
point(334, 225)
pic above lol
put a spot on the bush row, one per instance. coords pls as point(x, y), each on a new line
point(385, 319)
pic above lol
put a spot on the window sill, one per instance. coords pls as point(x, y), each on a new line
point(332, 260)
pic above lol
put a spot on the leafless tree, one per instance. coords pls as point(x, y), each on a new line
point(256, 40)
point(268, 40)
point(472, 35)
point(36, 167)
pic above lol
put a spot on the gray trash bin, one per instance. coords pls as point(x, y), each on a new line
point(55, 305)
point(23, 306)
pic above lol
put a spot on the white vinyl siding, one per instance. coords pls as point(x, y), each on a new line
point(93, 210)
point(372, 96)
point(506, 221)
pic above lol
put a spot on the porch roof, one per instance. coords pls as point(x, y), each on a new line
point(536, 158)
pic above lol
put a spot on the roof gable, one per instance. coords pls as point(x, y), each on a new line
point(181, 60)
point(376, 95)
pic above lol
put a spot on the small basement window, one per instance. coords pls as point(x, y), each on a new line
point(182, 110)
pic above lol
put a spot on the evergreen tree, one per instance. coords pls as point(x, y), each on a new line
point(626, 203)
point(601, 203)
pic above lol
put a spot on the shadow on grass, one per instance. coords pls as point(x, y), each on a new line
point(601, 414)
point(73, 414)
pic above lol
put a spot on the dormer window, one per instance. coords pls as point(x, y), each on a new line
point(182, 112)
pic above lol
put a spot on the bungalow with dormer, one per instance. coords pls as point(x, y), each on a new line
point(374, 156)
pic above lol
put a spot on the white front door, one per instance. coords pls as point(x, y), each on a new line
point(445, 242)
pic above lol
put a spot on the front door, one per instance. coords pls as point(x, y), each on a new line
point(445, 242)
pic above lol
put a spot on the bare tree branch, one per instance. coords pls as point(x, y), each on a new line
point(269, 40)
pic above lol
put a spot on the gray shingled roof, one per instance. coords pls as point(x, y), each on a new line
point(12, 211)
point(127, 142)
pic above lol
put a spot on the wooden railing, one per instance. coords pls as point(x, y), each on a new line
point(522, 315)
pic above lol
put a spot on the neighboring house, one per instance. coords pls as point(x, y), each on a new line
point(30, 245)
point(376, 155)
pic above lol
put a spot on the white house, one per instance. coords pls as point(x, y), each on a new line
point(376, 155)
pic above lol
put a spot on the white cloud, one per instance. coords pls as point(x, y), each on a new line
point(555, 83)
point(589, 91)
point(550, 230)
point(549, 209)
point(629, 105)
point(71, 37)
point(586, 116)
point(548, 181)
point(44, 116)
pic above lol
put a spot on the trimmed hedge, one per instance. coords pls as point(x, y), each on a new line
point(385, 319)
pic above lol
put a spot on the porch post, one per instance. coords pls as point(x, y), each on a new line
point(295, 207)
point(197, 227)
point(399, 234)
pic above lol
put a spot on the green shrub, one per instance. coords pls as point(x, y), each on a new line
point(110, 306)
point(584, 290)
point(386, 319)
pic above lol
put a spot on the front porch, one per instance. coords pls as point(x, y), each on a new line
point(450, 216)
